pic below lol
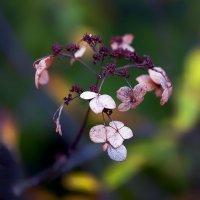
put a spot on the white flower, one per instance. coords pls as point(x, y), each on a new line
point(112, 136)
point(98, 102)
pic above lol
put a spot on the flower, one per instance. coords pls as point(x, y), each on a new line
point(158, 80)
point(98, 102)
point(112, 136)
point(41, 66)
point(123, 42)
point(130, 98)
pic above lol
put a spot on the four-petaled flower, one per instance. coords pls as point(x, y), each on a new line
point(98, 102)
point(158, 80)
point(123, 43)
point(41, 66)
point(112, 136)
point(130, 98)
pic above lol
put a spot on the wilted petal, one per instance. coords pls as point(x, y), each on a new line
point(157, 75)
point(116, 124)
point(98, 134)
point(123, 94)
point(107, 101)
point(96, 106)
point(58, 127)
point(88, 95)
point(165, 95)
point(139, 92)
point(117, 154)
point(146, 81)
point(123, 107)
point(80, 52)
point(57, 120)
point(126, 132)
point(41, 78)
point(114, 137)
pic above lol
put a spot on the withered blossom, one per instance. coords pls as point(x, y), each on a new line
point(158, 80)
point(123, 42)
point(98, 102)
point(41, 66)
point(130, 98)
point(112, 137)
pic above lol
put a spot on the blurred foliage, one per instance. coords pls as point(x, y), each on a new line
point(163, 157)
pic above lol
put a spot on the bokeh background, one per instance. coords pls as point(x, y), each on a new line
point(163, 157)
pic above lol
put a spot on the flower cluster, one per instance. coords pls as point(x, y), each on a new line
point(113, 133)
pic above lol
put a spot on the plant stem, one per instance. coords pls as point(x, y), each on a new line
point(51, 171)
point(81, 61)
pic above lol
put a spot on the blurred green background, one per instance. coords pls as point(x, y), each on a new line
point(163, 157)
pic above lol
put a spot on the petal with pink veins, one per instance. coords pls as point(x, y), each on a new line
point(113, 137)
point(98, 134)
point(116, 124)
point(123, 94)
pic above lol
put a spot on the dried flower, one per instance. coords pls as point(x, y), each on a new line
point(98, 102)
point(122, 42)
point(41, 66)
point(158, 80)
point(112, 136)
point(130, 98)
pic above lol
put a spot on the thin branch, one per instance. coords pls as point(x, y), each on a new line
point(81, 61)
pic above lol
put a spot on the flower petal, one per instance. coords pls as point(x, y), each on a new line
point(41, 78)
point(128, 38)
point(107, 101)
point(124, 107)
point(123, 94)
point(126, 132)
point(158, 75)
point(146, 81)
point(98, 134)
point(136, 103)
point(117, 154)
point(96, 106)
point(116, 124)
point(165, 96)
point(88, 95)
point(80, 52)
point(114, 137)
point(139, 92)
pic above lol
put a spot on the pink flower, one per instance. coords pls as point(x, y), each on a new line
point(112, 136)
point(158, 80)
point(130, 98)
point(98, 102)
point(41, 66)
point(124, 43)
